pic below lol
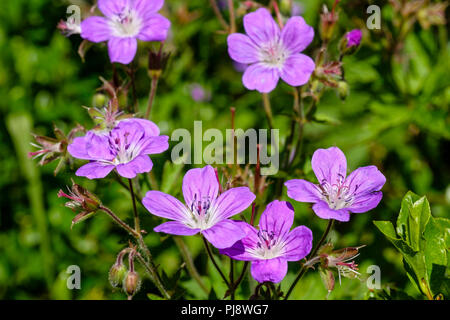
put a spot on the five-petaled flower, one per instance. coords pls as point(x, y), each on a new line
point(270, 247)
point(272, 53)
point(125, 148)
point(126, 21)
point(337, 195)
point(205, 211)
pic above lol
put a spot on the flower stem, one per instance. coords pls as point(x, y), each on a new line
point(190, 263)
point(208, 250)
point(151, 96)
point(232, 279)
point(232, 17)
point(313, 253)
point(136, 216)
point(118, 221)
point(268, 109)
point(219, 15)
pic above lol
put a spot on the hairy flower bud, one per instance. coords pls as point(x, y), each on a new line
point(350, 42)
point(117, 274)
point(131, 283)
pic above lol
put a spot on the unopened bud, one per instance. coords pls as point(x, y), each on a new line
point(350, 42)
point(117, 274)
point(343, 89)
point(131, 283)
point(157, 61)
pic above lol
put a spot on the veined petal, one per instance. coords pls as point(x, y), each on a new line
point(296, 34)
point(278, 217)
point(260, 77)
point(322, 210)
point(77, 149)
point(200, 184)
point(233, 201)
point(297, 69)
point(272, 270)
point(302, 190)
point(224, 234)
point(146, 7)
point(242, 49)
point(94, 170)
point(154, 28)
point(240, 250)
point(97, 146)
point(165, 206)
point(365, 180)
point(367, 202)
point(176, 228)
point(261, 27)
point(157, 145)
point(329, 165)
point(298, 243)
point(112, 7)
point(95, 29)
point(140, 164)
point(150, 128)
point(122, 50)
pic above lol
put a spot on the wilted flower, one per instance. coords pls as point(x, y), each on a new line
point(126, 21)
point(69, 27)
point(81, 201)
point(337, 195)
point(124, 148)
point(205, 212)
point(272, 53)
point(273, 245)
point(328, 22)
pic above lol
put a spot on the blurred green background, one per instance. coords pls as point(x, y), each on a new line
point(395, 117)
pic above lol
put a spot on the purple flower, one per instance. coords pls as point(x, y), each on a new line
point(126, 21)
point(199, 93)
point(125, 148)
point(272, 53)
point(337, 195)
point(273, 245)
point(353, 38)
point(204, 212)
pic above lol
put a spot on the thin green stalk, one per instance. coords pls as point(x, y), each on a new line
point(137, 225)
point(190, 263)
point(208, 250)
point(267, 109)
point(304, 269)
point(151, 96)
point(232, 278)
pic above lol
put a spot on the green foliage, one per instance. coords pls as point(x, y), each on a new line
point(423, 242)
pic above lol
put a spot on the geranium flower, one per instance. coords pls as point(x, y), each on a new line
point(124, 148)
point(353, 38)
point(270, 247)
point(126, 21)
point(337, 195)
point(205, 211)
point(272, 53)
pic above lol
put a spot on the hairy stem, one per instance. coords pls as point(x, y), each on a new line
point(151, 96)
point(313, 253)
point(208, 250)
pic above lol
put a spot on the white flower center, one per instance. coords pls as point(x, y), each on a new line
point(273, 54)
point(268, 246)
point(201, 213)
point(126, 24)
point(338, 195)
point(125, 150)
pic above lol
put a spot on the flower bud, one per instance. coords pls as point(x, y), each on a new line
point(157, 61)
point(131, 283)
point(343, 89)
point(350, 42)
point(117, 274)
point(328, 22)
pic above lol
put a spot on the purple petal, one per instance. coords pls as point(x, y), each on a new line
point(146, 7)
point(224, 234)
point(155, 28)
point(261, 78)
point(97, 147)
point(261, 27)
point(140, 164)
point(151, 129)
point(95, 29)
point(240, 250)
point(272, 270)
point(365, 180)
point(122, 50)
point(296, 34)
point(200, 185)
point(298, 243)
point(302, 190)
point(242, 49)
point(165, 206)
point(94, 170)
point(233, 201)
point(77, 149)
point(278, 217)
point(329, 165)
point(366, 202)
point(112, 7)
point(297, 69)
point(157, 145)
point(176, 228)
point(325, 212)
